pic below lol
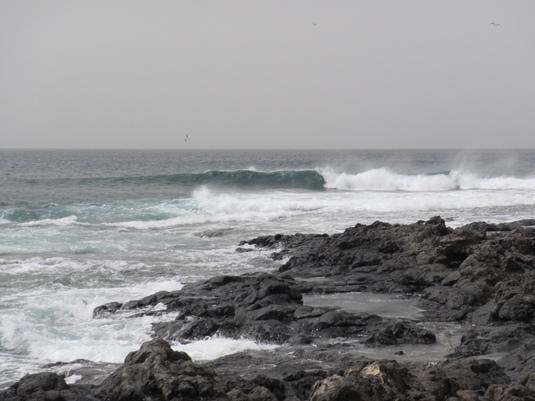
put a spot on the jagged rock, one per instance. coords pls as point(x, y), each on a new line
point(157, 372)
point(472, 374)
point(45, 387)
point(521, 361)
point(377, 381)
point(480, 275)
point(523, 390)
point(387, 380)
point(265, 308)
point(460, 275)
point(400, 333)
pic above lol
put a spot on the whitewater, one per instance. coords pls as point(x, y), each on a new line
point(79, 229)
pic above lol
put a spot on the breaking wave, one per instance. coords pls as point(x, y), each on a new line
point(385, 180)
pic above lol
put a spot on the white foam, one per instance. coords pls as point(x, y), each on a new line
point(155, 224)
point(215, 347)
point(271, 212)
point(65, 221)
point(13, 366)
point(256, 207)
point(72, 379)
point(62, 266)
point(382, 179)
point(318, 211)
point(50, 325)
point(251, 205)
point(469, 181)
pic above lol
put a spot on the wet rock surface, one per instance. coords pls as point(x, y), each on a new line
point(479, 277)
point(266, 308)
point(156, 372)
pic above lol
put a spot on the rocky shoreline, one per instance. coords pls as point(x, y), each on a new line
point(479, 278)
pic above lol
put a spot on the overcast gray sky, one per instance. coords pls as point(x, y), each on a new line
point(267, 74)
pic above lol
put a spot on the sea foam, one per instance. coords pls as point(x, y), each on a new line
point(215, 347)
point(57, 324)
point(383, 179)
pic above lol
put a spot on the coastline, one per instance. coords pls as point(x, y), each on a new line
point(478, 277)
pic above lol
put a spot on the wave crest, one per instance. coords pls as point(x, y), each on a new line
point(382, 179)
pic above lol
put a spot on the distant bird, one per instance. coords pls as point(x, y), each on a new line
point(495, 24)
point(186, 137)
point(313, 23)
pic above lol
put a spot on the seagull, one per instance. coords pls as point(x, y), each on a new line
point(186, 137)
point(495, 24)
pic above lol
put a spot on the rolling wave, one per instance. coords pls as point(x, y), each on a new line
point(200, 199)
point(288, 179)
point(379, 179)
point(284, 179)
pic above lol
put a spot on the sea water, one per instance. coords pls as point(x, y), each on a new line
point(82, 228)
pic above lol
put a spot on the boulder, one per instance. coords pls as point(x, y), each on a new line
point(156, 372)
point(45, 386)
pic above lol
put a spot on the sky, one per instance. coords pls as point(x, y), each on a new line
point(267, 74)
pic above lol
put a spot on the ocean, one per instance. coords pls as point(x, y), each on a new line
point(81, 228)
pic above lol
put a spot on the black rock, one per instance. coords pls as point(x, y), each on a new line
point(480, 277)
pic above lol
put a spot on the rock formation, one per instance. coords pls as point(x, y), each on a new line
point(480, 277)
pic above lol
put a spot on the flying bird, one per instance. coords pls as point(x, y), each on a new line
point(186, 137)
point(495, 24)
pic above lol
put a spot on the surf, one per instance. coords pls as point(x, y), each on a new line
point(384, 179)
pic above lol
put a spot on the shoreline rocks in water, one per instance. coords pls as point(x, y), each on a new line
point(265, 308)
point(479, 276)
point(157, 372)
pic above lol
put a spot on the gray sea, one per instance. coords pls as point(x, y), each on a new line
point(82, 228)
